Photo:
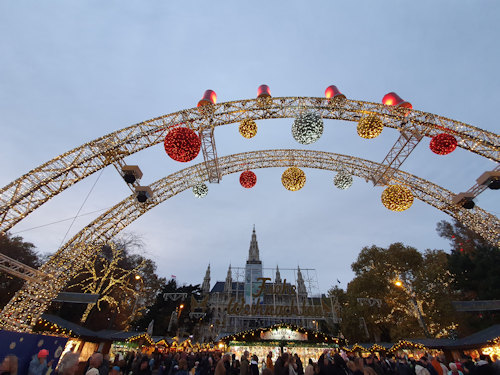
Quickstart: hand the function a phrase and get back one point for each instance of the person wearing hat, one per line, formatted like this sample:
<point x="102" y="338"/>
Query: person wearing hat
<point x="115" y="371"/>
<point x="39" y="365"/>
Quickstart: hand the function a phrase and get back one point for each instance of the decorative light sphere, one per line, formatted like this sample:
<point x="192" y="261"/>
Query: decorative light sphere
<point x="307" y="128"/>
<point x="248" y="179"/>
<point x="443" y="144"/>
<point x="248" y="128"/>
<point x="293" y="179"/>
<point x="370" y="127"/>
<point x="397" y="198"/>
<point x="200" y="190"/>
<point x="343" y="180"/>
<point x="182" y="144"/>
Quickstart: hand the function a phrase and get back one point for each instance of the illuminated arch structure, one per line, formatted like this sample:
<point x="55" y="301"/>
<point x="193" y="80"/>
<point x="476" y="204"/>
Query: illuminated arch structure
<point x="22" y="196"/>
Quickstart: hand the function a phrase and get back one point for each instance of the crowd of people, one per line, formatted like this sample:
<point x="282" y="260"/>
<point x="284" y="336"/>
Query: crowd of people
<point x="215" y="363"/>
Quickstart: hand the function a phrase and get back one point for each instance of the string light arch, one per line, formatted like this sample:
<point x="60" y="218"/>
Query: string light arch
<point x="29" y="303"/>
<point x="22" y="196"/>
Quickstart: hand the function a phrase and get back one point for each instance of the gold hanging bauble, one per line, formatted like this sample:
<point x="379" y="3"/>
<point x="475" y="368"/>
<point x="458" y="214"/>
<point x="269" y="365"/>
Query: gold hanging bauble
<point x="293" y="179"/>
<point x="248" y="128"/>
<point x="397" y="198"/>
<point x="370" y="126"/>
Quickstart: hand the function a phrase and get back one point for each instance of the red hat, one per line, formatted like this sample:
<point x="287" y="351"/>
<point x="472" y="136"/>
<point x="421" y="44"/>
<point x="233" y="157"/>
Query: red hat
<point x="43" y="353"/>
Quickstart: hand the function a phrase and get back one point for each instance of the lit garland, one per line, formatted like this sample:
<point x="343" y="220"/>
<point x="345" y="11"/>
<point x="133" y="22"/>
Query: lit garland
<point x="248" y="128"/>
<point x="182" y="144"/>
<point x="406" y="344"/>
<point x="248" y="179"/>
<point x="307" y="128"/>
<point x="443" y="144"/>
<point x="370" y="127"/>
<point x="397" y="198"/>
<point x="200" y="190"/>
<point x="343" y="180"/>
<point x="293" y="179"/>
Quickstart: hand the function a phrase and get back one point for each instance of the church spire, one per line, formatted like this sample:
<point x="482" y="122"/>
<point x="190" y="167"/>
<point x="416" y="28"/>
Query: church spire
<point x="228" y="285"/>
<point x="301" y="285"/>
<point x="277" y="279"/>
<point x="205" y="288"/>
<point x="253" y="252"/>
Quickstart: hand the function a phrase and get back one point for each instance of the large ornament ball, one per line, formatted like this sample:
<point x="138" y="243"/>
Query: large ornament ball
<point x="248" y="179"/>
<point x="293" y="179"/>
<point x="182" y="144"/>
<point x="307" y="128"/>
<point x="248" y="128"/>
<point x="443" y="144"/>
<point x="343" y="180"/>
<point x="200" y="190"/>
<point x="370" y="127"/>
<point x="397" y="198"/>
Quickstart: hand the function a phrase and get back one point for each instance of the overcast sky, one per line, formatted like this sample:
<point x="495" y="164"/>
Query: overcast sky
<point x="74" y="71"/>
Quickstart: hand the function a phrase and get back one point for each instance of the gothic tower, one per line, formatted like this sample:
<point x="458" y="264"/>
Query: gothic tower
<point x="228" y="285"/>
<point x="301" y="285"/>
<point x="253" y="270"/>
<point x="205" y="287"/>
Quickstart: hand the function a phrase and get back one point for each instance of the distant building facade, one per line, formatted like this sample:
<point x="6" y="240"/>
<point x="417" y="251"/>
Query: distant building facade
<point x="248" y="299"/>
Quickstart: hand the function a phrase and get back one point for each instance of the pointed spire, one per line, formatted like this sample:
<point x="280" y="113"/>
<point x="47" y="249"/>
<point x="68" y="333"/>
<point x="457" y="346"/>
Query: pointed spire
<point x="205" y="288"/>
<point x="301" y="285"/>
<point x="277" y="279"/>
<point x="228" y="285"/>
<point x="253" y="252"/>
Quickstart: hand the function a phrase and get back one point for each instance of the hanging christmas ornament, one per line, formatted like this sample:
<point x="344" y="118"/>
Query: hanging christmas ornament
<point x="343" y="180"/>
<point x="200" y="190"/>
<point x="397" y="198"/>
<point x="248" y="128"/>
<point x="370" y="127"/>
<point x="307" y="128"/>
<point x="182" y="144"/>
<point x="443" y="144"/>
<point x="248" y="179"/>
<point x="293" y="179"/>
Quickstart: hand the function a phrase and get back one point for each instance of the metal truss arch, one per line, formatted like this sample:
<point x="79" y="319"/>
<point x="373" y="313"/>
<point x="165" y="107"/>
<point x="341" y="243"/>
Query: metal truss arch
<point x="30" y="302"/>
<point x="20" y="197"/>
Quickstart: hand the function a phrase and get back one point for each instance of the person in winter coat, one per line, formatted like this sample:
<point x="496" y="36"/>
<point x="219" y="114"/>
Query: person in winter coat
<point x="39" y="365"/>
<point x="254" y="365"/>
<point x="9" y="365"/>
<point x="245" y="363"/>
<point x="421" y="367"/>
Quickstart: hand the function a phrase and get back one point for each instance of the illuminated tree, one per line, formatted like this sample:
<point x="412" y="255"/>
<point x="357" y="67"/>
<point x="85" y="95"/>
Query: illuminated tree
<point x="426" y="282"/>
<point x="24" y="252"/>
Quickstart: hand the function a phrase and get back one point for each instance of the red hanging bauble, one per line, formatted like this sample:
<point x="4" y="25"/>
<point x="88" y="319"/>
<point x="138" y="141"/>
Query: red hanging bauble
<point x="248" y="179"/>
<point x="182" y="144"/>
<point x="443" y="144"/>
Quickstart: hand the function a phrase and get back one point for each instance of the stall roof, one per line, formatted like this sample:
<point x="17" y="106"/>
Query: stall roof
<point x="75" y="328"/>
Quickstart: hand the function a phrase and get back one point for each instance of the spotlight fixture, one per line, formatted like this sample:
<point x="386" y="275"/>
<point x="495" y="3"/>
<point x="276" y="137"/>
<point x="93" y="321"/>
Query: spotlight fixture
<point x="465" y="200"/>
<point x="143" y="193"/>
<point x="490" y="179"/>
<point x="131" y="173"/>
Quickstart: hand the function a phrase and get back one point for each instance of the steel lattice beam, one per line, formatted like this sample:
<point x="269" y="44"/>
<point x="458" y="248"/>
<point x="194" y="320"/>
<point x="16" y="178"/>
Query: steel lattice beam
<point x="19" y="269"/>
<point x="19" y="198"/>
<point x="30" y="302"/>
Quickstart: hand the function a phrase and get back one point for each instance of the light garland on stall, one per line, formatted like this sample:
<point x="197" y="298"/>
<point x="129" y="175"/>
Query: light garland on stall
<point x="397" y="198"/>
<point x="370" y="127"/>
<point x="182" y="144"/>
<point x="307" y="128"/>
<point x="200" y="190"/>
<point x="343" y="180"/>
<point x="293" y="179"/>
<point x="248" y="128"/>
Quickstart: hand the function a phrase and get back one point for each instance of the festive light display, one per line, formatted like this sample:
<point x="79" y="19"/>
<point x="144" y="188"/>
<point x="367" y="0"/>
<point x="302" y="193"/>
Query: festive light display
<point x="248" y="179"/>
<point x="209" y="97"/>
<point x="293" y="179"/>
<point x="182" y="144"/>
<point x="397" y="198"/>
<point x="343" y="180"/>
<point x="248" y="128"/>
<point x="332" y="92"/>
<point x="200" y="190"/>
<point x="370" y="126"/>
<point x="307" y="128"/>
<point x="394" y="99"/>
<point x="443" y="144"/>
<point x="263" y="91"/>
